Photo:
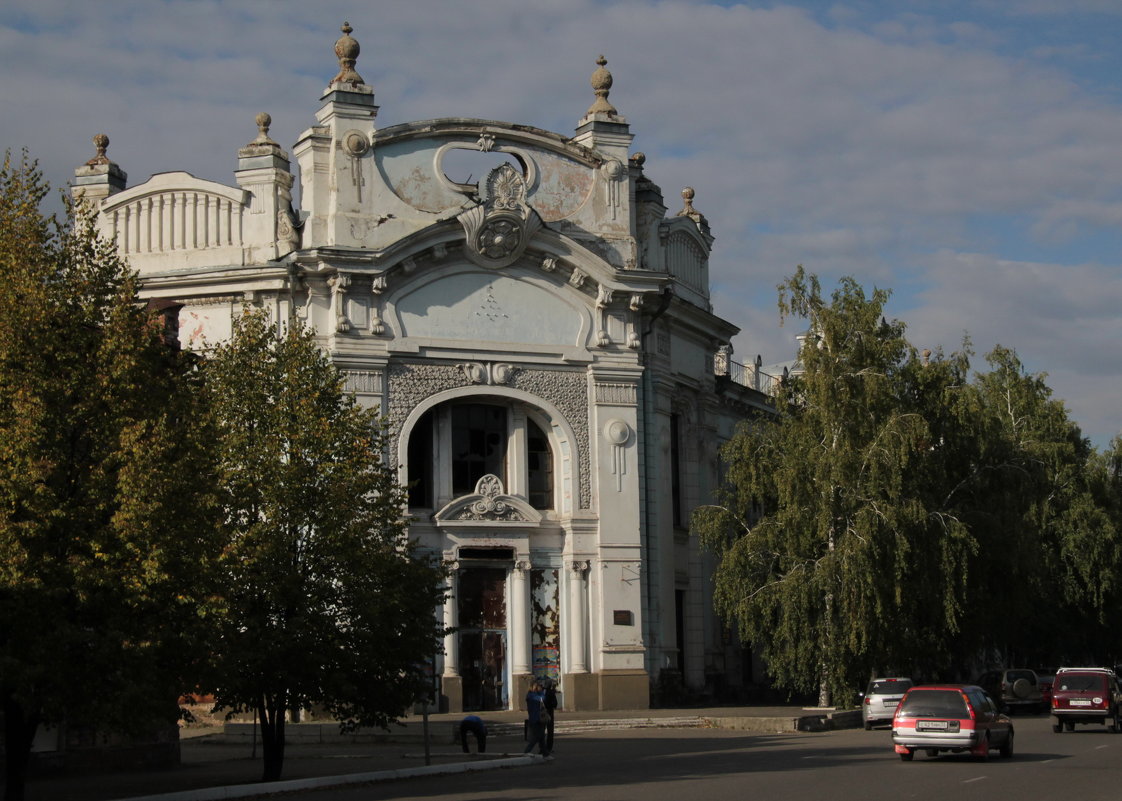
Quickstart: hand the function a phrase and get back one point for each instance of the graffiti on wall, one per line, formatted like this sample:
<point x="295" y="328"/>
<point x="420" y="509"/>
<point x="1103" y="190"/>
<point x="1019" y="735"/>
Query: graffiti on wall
<point x="545" y="624"/>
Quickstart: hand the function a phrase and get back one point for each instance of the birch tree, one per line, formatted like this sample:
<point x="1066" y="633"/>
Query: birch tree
<point x="824" y="530"/>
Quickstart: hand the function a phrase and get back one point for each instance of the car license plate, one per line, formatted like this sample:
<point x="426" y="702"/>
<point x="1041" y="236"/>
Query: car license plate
<point x="932" y="725"/>
<point x="1080" y="702"/>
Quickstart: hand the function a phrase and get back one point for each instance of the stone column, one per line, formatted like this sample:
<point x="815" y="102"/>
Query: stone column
<point x="578" y="657"/>
<point x="520" y="619"/>
<point x="451" y="641"/>
<point x="451" y="682"/>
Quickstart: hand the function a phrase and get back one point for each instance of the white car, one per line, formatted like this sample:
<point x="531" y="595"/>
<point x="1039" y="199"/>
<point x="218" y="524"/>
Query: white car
<point x="881" y="698"/>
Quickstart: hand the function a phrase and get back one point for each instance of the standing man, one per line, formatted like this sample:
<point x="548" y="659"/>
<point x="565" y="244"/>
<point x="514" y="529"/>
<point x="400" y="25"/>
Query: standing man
<point x="536" y="716"/>
<point x="549" y="700"/>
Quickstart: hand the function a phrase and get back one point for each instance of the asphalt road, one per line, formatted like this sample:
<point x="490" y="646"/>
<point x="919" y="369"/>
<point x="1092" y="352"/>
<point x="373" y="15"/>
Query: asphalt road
<point x="711" y="764"/>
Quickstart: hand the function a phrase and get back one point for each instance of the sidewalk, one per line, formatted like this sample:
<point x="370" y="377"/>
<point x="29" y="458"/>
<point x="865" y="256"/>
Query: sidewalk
<point x="218" y="763"/>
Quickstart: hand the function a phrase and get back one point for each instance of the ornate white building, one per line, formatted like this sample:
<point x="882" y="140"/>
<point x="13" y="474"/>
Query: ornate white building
<point x="541" y="343"/>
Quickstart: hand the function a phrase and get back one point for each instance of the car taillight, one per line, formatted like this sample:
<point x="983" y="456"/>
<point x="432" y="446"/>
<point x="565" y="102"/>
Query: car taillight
<point x="868" y="700"/>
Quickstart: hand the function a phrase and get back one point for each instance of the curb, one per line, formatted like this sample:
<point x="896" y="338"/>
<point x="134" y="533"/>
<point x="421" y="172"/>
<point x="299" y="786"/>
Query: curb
<point x="322" y="782"/>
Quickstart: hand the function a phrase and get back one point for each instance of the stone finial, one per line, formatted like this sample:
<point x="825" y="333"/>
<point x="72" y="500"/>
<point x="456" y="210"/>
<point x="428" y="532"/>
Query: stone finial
<point x="927" y="357"/>
<point x="602" y="84"/>
<point x="99" y="177"/>
<point x="101" y="142"/>
<point x="346" y="50"/>
<point x="688" y="210"/>
<point x="263" y="145"/>
<point x="263" y="121"/>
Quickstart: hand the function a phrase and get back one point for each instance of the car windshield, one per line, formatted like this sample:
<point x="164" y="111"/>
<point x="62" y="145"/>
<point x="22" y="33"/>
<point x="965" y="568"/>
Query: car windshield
<point x="889" y="686"/>
<point x="1081" y="682"/>
<point x="934" y="704"/>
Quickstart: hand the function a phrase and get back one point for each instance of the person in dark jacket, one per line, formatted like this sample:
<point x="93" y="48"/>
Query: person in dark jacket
<point x="549" y="700"/>
<point x="473" y="724"/>
<point x="536" y="716"/>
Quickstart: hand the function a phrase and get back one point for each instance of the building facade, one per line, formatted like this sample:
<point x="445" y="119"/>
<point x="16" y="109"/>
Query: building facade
<point x="541" y="343"/>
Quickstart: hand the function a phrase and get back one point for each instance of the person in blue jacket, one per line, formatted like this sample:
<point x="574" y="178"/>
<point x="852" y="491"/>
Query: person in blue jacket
<point x="536" y="717"/>
<point x="475" y="725"/>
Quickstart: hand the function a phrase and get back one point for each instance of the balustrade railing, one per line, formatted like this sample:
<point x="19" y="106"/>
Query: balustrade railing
<point x="750" y="375"/>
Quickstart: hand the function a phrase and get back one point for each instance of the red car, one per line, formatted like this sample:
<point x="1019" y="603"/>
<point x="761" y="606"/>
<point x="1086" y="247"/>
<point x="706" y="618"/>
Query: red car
<point x="1086" y="695"/>
<point x="950" y="717"/>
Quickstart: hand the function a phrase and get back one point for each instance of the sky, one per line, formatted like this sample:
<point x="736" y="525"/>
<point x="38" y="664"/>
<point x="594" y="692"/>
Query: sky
<point x="964" y="154"/>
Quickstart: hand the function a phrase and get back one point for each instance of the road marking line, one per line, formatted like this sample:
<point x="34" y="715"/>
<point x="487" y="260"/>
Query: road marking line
<point x="1101" y="747"/>
<point x="975" y="779"/>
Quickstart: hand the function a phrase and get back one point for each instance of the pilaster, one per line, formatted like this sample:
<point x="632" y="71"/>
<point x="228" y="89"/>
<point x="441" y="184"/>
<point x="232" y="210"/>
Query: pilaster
<point x="335" y="156"/>
<point x="263" y="169"/>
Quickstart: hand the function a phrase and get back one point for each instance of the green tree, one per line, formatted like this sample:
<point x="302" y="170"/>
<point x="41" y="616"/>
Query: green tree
<point x="103" y="512"/>
<point x="824" y="523"/>
<point x="898" y="513"/>
<point x="327" y="603"/>
<point x="1040" y="511"/>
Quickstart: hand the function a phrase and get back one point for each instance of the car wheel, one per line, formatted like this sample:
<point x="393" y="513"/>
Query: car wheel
<point x="1069" y="725"/>
<point x="1114" y="726"/>
<point x="1021" y="688"/>
<point x="868" y="725"/>
<point x="982" y="752"/>
<point x="906" y="756"/>
<point x="1007" y="746"/>
<point x="1057" y="725"/>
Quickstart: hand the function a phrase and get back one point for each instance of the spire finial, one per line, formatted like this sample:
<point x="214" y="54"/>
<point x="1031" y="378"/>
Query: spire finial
<point x="263" y="121"/>
<point x="602" y="84"/>
<point x="687" y="209"/>
<point x="101" y="142"/>
<point x="346" y="50"/>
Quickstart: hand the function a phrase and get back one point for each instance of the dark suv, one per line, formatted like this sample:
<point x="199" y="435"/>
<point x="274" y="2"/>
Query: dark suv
<point x="1086" y="695"/>
<point x="1013" y="689"/>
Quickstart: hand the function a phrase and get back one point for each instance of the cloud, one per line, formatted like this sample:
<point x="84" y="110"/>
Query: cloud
<point x="947" y="148"/>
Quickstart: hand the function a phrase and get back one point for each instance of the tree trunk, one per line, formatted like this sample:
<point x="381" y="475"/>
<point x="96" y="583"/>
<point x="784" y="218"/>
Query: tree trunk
<point x="19" y="733"/>
<point x="271" y="711"/>
<point x="824" y="697"/>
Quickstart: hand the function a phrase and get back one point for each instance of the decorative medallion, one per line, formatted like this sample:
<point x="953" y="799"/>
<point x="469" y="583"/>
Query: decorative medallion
<point x="355" y="143"/>
<point x="499" y="229"/>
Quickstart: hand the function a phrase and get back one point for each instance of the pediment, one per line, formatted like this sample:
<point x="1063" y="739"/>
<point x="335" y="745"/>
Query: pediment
<point x="488" y="504"/>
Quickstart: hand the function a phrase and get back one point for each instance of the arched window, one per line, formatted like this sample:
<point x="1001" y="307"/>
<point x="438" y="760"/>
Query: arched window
<point x="453" y="445"/>
<point x="479" y="440"/>
<point x="539" y="464"/>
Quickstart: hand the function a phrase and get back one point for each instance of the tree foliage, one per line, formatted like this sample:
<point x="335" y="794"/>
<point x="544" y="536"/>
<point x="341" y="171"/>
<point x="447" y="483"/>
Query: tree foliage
<point x="896" y="514"/>
<point x="327" y="604"/>
<point x="100" y="584"/>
